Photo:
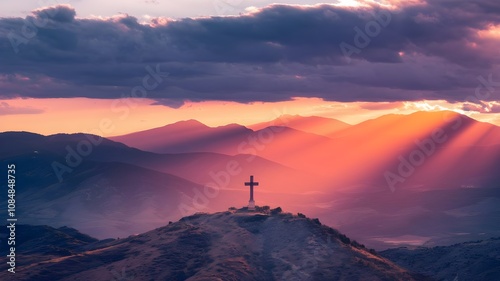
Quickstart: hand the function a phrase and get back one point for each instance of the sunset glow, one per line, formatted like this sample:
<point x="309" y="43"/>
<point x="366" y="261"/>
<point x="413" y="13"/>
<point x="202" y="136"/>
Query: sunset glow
<point x="132" y="133"/>
<point x="128" y="115"/>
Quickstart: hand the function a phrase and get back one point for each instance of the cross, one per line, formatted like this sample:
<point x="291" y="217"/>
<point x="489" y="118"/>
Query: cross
<point x="251" y="183"/>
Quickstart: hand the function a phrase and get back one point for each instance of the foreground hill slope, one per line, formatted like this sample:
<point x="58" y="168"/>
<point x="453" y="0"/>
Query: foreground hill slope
<point x="232" y="245"/>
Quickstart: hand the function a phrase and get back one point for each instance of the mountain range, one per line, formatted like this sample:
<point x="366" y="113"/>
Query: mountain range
<point x="428" y="178"/>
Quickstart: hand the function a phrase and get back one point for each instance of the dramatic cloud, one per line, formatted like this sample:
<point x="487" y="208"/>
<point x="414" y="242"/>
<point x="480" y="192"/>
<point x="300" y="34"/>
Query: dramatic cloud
<point x="484" y="107"/>
<point x="433" y="50"/>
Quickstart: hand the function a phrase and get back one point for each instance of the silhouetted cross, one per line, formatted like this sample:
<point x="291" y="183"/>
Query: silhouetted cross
<point x="251" y="183"/>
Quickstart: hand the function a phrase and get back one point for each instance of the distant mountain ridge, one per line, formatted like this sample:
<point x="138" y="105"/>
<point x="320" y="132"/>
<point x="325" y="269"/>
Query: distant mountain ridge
<point x="322" y="126"/>
<point x="187" y="136"/>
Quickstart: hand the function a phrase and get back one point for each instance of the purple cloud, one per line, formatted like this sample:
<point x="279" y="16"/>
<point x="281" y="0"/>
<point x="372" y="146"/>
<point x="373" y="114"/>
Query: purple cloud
<point x="431" y="51"/>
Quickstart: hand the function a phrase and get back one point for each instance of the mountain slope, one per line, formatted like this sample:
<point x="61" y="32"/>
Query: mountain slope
<point x="19" y="143"/>
<point x="102" y="199"/>
<point x="398" y="128"/>
<point x="65" y="149"/>
<point x="479" y="260"/>
<point x="187" y="136"/>
<point x="413" y="217"/>
<point x="444" y="145"/>
<point x="36" y="243"/>
<point x="234" y="245"/>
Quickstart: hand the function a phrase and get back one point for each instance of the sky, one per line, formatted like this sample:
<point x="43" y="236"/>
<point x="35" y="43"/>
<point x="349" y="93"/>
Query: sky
<point x="71" y="66"/>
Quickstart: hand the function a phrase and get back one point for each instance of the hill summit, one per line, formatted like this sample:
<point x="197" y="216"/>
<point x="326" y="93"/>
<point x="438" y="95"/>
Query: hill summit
<point x="266" y="244"/>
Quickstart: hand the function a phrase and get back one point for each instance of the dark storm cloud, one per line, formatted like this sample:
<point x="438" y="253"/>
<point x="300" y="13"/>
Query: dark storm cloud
<point x="431" y="51"/>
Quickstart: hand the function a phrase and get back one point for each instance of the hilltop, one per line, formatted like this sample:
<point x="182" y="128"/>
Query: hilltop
<point x="231" y="245"/>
